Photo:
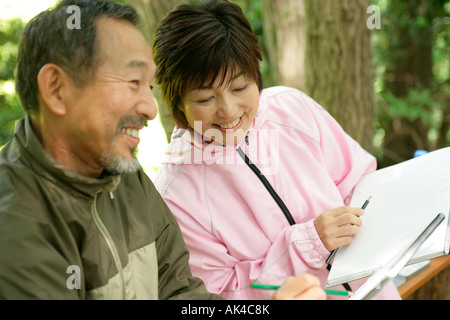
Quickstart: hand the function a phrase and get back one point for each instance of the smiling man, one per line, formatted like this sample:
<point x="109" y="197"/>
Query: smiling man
<point x="96" y="126"/>
<point x="79" y="219"/>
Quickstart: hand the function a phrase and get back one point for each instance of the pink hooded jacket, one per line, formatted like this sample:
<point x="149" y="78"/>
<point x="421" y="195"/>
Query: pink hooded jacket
<point x="235" y="231"/>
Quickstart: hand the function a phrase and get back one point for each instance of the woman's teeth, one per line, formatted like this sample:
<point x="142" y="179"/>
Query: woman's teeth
<point x="131" y="132"/>
<point x="230" y="125"/>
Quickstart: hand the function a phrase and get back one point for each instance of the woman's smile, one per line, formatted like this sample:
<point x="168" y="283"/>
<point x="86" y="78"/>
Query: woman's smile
<point x="231" y="125"/>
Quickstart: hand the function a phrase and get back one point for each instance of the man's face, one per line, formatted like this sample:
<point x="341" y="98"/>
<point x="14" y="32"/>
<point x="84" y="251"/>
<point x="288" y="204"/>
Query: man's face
<point x="106" y="114"/>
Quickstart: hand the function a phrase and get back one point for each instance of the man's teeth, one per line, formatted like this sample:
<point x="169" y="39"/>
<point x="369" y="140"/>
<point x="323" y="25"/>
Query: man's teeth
<point x="131" y="132"/>
<point x="231" y="125"/>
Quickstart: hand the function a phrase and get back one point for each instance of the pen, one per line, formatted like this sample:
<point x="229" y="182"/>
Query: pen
<point x="366" y="203"/>
<point x="335" y="250"/>
<point x="329" y="292"/>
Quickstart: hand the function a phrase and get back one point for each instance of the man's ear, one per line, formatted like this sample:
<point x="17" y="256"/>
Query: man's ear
<point x="53" y="86"/>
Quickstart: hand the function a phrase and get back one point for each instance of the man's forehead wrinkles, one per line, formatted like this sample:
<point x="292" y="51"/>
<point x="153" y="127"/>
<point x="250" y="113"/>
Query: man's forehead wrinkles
<point x="137" y="64"/>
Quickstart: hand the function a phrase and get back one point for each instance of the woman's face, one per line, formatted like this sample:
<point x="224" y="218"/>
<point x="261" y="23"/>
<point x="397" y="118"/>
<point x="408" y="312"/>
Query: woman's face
<point x="222" y="113"/>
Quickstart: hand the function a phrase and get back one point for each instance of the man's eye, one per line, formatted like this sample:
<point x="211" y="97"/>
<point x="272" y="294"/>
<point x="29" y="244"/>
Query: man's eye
<point x="136" y="82"/>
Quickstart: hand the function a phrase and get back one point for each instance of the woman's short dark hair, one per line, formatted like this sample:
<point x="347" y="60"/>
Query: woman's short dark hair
<point x="196" y="43"/>
<point x="47" y="38"/>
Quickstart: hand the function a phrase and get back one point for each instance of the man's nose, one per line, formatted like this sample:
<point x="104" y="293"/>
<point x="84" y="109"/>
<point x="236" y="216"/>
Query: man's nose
<point x="147" y="106"/>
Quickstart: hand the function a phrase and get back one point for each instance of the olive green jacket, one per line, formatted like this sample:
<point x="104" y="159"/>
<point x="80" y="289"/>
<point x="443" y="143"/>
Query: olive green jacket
<point x="67" y="236"/>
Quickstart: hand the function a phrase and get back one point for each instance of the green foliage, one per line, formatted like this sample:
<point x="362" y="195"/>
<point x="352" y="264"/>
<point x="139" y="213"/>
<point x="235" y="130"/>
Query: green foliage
<point x="408" y="29"/>
<point x="441" y="48"/>
<point x="417" y="105"/>
<point x="9" y="38"/>
<point x="10" y="108"/>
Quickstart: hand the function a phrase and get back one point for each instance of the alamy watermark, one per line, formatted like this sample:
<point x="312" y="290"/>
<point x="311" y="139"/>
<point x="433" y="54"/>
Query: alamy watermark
<point x="374" y="21"/>
<point x="74" y="21"/>
<point x="74" y="280"/>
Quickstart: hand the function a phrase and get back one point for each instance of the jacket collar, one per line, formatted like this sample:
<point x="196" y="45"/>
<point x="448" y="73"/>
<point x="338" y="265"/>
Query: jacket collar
<point x="32" y="153"/>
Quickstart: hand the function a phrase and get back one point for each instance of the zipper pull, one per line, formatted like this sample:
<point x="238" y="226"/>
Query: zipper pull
<point x="246" y="138"/>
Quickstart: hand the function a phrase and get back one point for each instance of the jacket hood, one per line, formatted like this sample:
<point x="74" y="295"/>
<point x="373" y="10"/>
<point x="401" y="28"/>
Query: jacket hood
<point x="29" y="149"/>
<point x="187" y="146"/>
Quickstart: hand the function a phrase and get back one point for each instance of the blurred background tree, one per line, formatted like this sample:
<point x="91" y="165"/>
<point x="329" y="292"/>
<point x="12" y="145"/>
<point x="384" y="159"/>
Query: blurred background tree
<point x="10" y="109"/>
<point x="388" y="87"/>
<point x="413" y="58"/>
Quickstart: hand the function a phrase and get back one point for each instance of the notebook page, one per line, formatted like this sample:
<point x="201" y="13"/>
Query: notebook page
<point x="405" y="197"/>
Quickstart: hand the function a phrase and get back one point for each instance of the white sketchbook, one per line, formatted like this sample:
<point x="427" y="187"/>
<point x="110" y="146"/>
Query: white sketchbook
<point x="388" y="272"/>
<point x="405" y="198"/>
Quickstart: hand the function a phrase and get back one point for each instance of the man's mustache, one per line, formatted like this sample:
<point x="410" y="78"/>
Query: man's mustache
<point x="135" y="120"/>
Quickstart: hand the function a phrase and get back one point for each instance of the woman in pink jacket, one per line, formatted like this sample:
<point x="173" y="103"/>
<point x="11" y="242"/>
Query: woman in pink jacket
<point x="257" y="179"/>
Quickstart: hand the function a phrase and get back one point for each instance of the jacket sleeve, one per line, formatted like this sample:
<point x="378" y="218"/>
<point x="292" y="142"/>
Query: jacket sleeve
<point x="344" y="159"/>
<point x="175" y="280"/>
<point x="31" y="264"/>
<point x="30" y="267"/>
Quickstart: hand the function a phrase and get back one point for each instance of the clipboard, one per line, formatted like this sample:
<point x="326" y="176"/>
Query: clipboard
<point x="405" y="198"/>
<point x="377" y="281"/>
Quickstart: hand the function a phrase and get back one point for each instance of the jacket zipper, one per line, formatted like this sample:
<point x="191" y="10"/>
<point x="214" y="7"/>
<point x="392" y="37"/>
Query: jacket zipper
<point x="266" y="184"/>
<point x="109" y="241"/>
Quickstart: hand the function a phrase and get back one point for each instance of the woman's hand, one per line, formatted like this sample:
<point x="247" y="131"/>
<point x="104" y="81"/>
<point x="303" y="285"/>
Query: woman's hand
<point x="337" y="227"/>
<point x="303" y="287"/>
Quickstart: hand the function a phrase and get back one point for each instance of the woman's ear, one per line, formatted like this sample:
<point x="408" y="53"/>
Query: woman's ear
<point x="180" y="105"/>
<point x="52" y="84"/>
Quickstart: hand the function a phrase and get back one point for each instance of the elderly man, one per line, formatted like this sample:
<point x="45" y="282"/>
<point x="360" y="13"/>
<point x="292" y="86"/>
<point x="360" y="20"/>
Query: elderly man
<point x="79" y="219"/>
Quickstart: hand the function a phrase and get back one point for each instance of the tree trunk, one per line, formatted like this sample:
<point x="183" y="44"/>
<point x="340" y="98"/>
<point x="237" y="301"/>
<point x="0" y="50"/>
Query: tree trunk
<point x="339" y="68"/>
<point x="285" y="42"/>
<point x="151" y="13"/>
<point x="409" y="66"/>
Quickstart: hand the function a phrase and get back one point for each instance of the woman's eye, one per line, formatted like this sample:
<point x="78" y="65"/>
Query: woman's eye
<point x="136" y="82"/>
<point x="205" y="100"/>
<point x="241" y="88"/>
